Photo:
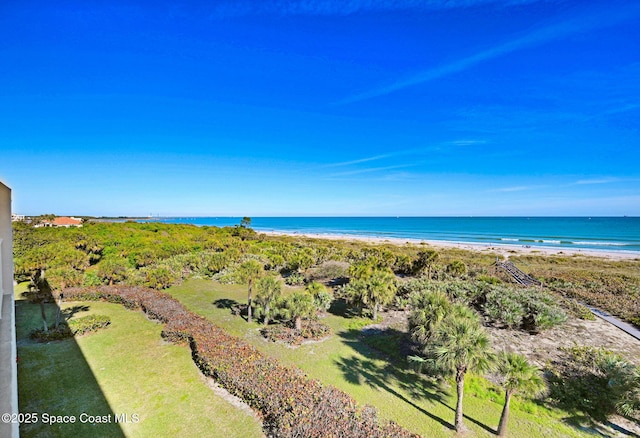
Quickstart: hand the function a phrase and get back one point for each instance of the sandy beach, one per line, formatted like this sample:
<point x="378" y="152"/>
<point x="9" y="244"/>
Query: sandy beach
<point x="504" y="250"/>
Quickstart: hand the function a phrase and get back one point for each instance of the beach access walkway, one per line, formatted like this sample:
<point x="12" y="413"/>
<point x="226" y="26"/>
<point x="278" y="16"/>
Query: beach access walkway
<point x="527" y="280"/>
<point x="615" y="321"/>
<point x="517" y="274"/>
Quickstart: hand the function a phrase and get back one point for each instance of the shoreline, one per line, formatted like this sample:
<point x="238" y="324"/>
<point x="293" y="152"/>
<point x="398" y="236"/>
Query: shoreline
<point x="498" y="249"/>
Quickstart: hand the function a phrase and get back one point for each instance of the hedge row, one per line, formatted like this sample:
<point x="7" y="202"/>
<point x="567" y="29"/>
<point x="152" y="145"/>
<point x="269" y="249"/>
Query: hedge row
<point x="291" y="404"/>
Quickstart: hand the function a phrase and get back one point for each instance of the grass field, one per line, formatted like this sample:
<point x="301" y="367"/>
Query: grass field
<point x="348" y="363"/>
<point x="124" y="369"/>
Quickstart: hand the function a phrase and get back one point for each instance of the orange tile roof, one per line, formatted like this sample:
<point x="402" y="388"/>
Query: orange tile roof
<point x="62" y="221"/>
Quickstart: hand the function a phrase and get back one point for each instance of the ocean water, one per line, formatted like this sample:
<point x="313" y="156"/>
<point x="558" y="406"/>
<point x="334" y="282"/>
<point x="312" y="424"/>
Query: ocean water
<point x="596" y="233"/>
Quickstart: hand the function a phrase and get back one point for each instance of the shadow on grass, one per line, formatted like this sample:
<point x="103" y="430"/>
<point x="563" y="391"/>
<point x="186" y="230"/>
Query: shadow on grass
<point x="586" y="424"/>
<point x="339" y="307"/>
<point x="226" y="303"/>
<point x="388" y="377"/>
<point x="70" y="312"/>
<point x="473" y="420"/>
<point x="54" y="379"/>
<point x="393" y="346"/>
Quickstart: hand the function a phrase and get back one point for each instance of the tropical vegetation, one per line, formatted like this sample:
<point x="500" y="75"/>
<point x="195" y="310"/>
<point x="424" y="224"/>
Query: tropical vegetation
<point x="291" y="285"/>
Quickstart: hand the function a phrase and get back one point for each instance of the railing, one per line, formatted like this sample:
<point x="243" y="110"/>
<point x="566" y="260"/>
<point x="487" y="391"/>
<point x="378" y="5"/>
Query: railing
<point x="517" y="274"/>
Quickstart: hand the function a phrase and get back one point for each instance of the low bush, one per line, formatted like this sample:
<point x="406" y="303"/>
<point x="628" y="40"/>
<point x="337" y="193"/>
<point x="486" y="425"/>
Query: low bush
<point x="291" y="404"/>
<point x="311" y="330"/>
<point x="294" y="279"/>
<point x="528" y="309"/>
<point x="594" y="381"/>
<point x="68" y="329"/>
<point x="87" y="324"/>
<point x="53" y="334"/>
<point x="329" y="270"/>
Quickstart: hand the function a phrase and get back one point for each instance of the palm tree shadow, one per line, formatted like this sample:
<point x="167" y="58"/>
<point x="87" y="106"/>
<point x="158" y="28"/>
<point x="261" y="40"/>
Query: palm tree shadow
<point x="70" y="312"/>
<point x="225" y="303"/>
<point x="473" y="420"/>
<point x="584" y="423"/>
<point x="367" y="372"/>
<point x="339" y="307"/>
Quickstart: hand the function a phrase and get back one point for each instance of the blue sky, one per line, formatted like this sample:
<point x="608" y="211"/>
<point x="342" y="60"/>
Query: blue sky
<point x="318" y="107"/>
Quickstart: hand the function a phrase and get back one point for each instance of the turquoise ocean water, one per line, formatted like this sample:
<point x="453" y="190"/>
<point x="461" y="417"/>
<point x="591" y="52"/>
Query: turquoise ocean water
<point x="597" y="233"/>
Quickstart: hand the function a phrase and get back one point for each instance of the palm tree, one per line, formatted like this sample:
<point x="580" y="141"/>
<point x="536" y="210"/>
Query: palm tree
<point x="298" y="305"/>
<point x="519" y="376"/>
<point x="269" y="289"/>
<point x="322" y="298"/>
<point x="426" y="261"/>
<point x="430" y="308"/>
<point x="375" y="289"/>
<point x="248" y="272"/>
<point x="381" y="289"/>
<point x="460" y="345"/>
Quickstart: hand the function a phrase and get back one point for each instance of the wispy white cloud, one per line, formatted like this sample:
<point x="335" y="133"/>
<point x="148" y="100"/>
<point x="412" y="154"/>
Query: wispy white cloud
<point x="468" y="142"/>
<point x="597" y="181"/>
<point x="372" y="169"/>
<point x="435" y="148"/>
<point x="358" y="161"/>
<point x="516" y="189"/>
<point x="348" y="7"/>
<point x="537" y="37"/>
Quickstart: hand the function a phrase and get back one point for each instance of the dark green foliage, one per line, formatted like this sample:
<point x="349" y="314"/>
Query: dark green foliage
<point x="291" y="404"/>
<point x="294" y="279"/>
<point x="53" y="334"/>
<point x="527" y="308"/>
<point x="75" y="326"/>
<point x="158" y="277"/>
<point x="594" y="381"/>
<point x="322" y="297"/>
<point x="87" y="324"/>
<point x="370" y="287"/>
<point x="425" y="262"/>
<point x="296" y="306"/>
<point x="456" y="268"/>
<point x="505" y="306"/>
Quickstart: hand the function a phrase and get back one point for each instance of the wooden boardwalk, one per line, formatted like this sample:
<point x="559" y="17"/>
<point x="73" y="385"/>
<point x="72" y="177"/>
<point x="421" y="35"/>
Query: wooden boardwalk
<point x="615" y="321"/>
<point x="527" y="280"/>
<point x="517" y="274"/>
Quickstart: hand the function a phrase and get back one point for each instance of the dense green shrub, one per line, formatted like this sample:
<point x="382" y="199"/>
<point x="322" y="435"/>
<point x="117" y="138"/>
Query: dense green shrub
<point x="505" y="306"/>
<point x="322" y="297"/>
<point x="456" y="268"/>
<point x="594" y="381"/>
<point x="86" y="324"/>
<point x="526" y="308"/>
<point x="91" y="279"/>
<point x="158" y="277"/>
<point x="294" y="279"/>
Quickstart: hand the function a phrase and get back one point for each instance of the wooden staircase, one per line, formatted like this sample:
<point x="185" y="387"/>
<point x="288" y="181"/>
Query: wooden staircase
<point x="517" y="274"/>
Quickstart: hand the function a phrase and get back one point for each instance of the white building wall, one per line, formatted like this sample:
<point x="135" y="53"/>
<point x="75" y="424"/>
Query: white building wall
<point x="8" y="353"/>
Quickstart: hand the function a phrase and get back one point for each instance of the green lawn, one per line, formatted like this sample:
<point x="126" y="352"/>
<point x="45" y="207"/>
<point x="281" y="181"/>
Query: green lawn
<point x="124" y="369"/>
<point x="346" y="362"/>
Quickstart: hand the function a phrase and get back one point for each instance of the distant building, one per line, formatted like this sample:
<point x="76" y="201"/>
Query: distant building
<point x="17" y="217"/>
<point x="62" y="221"/>
<point x="8" y="353"/>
